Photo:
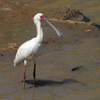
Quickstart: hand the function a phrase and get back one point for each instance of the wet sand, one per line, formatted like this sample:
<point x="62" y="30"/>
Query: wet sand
<point x="80" y="46"/>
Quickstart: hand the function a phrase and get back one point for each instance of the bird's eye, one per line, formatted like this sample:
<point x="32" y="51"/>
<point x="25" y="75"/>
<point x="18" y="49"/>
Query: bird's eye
<point x="42" y="18"/>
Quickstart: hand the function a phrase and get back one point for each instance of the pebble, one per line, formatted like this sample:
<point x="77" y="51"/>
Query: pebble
<point x="1" y="55"/>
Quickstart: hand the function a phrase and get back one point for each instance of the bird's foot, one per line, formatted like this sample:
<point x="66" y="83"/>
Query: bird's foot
<point x="23" y="84"/>
<point x="34" y="82"/>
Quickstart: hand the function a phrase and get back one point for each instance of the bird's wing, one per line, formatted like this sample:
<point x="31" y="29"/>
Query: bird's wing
<point x="23" y="52"/>
<point x="26" y="50"/>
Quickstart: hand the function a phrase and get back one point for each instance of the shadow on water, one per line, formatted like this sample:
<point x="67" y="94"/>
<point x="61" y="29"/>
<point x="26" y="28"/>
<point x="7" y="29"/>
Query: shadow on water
<point x="41" y="83"/>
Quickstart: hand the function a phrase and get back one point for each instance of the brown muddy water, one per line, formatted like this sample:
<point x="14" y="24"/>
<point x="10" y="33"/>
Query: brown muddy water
<point x="79" y="46"/>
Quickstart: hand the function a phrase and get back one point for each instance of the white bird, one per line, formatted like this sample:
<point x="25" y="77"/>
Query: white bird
<point x="30" y="49"/>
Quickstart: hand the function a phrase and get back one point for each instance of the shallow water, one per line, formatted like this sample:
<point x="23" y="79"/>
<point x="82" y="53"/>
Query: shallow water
<point x="55" y="78"/>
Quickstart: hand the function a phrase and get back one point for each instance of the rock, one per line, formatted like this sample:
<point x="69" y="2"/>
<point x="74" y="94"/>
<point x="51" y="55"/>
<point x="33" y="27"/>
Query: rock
<point x="75" y="15"/>
<point x="1" y="55"/>
<point x="95" y="24"/>
<point x="76" y="68"/>
<point x="49" y="40"/>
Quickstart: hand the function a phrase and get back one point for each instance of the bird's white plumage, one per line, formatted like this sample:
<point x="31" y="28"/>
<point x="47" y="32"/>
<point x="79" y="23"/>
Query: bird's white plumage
<point x="27" y="51"/>
<point x="30" y="49"/>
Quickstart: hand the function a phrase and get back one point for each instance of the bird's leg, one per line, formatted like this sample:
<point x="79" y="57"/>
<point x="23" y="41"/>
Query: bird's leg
<point x="24" y="77"/>
<point x="34" y="73"/>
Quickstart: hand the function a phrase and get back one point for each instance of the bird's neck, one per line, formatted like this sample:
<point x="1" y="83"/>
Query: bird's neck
<point x="39" y="31"/>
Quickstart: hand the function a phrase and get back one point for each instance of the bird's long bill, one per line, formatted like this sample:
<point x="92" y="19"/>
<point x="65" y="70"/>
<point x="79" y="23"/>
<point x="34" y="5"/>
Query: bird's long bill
<point x="57" y="31"/>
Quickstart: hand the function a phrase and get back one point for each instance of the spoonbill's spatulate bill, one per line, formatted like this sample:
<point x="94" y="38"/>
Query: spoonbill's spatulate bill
<point x="57" y="31"/>
<point x="30" y="50"/>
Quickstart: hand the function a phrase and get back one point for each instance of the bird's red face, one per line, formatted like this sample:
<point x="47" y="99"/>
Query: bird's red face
<point x="42" y="17"/>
